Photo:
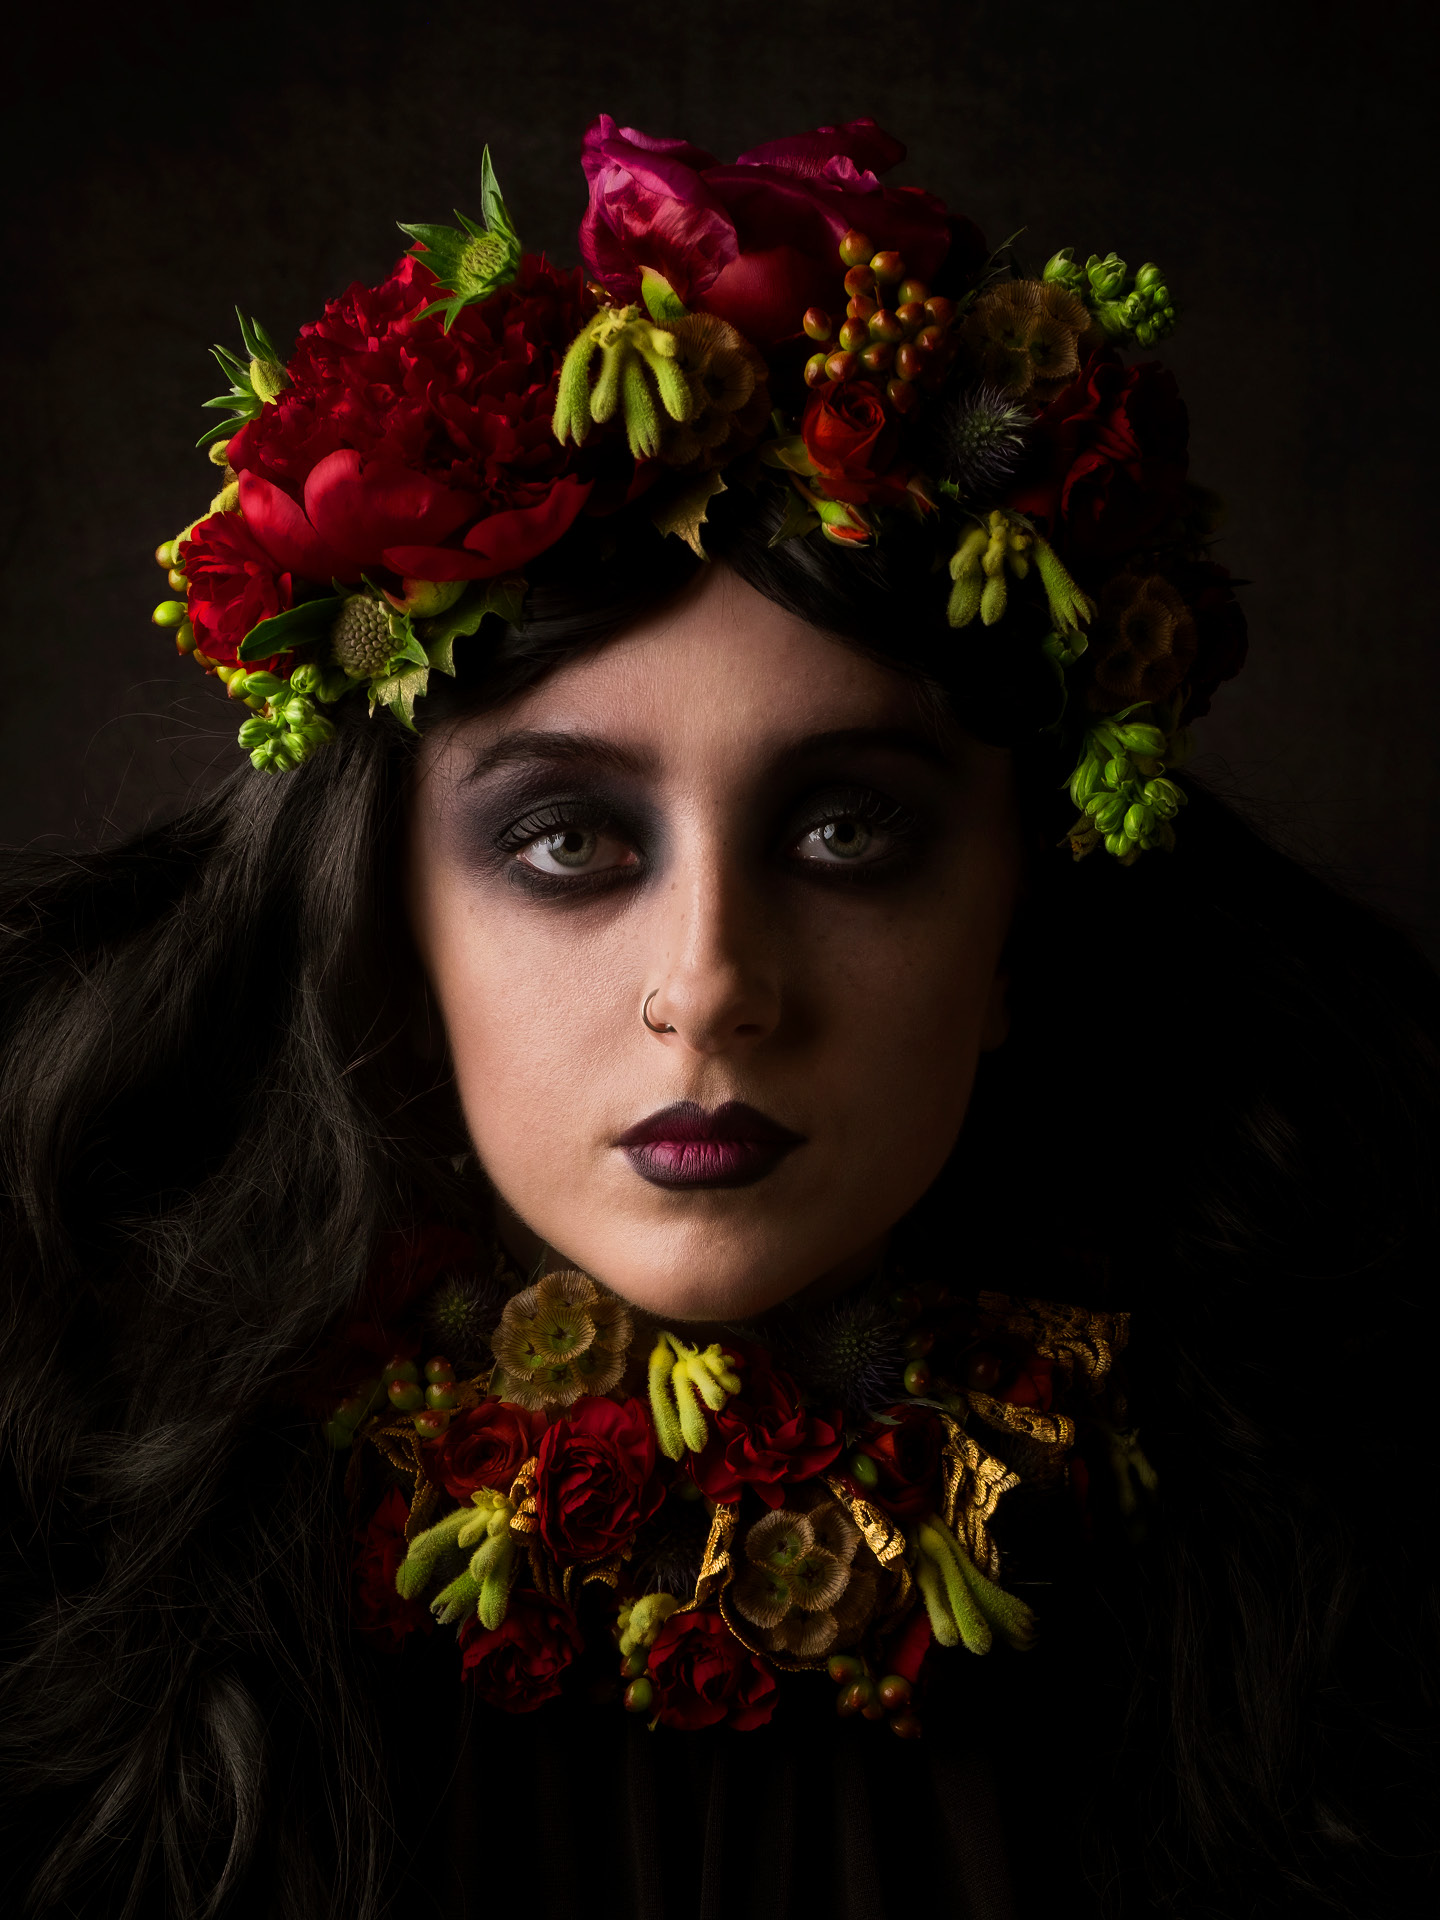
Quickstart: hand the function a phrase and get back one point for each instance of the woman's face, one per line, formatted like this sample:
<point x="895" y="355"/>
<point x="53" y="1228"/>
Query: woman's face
<point x="730" y="822"/>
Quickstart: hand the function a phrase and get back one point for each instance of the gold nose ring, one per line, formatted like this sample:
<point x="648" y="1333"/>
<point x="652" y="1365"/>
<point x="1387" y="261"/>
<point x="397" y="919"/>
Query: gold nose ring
<point x="645" y="1015"/>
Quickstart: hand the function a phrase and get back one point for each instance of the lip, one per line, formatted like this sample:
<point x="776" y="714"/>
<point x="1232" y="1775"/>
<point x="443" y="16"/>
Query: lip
<point x="687" y="1145"/>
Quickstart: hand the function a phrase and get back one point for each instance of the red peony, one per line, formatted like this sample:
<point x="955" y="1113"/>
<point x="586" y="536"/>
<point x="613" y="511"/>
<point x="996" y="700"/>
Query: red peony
<point x="379" y="1610"/>
<point x="852" y="440"/>
<point x="485" y="1446"/>
<point x="1109" y="458"/>
<point x="702" y="1675"/>
<point x="763" y="1438"/>
<point x="908" y="1458"/>
<point x="1032" y="1386"/>
<point x="518" y="1665"/>
<point x="756" y="242"/>
<point x="400" y="446"/>
<point x="233" y="584"/>
<point x="595" y="1479"/>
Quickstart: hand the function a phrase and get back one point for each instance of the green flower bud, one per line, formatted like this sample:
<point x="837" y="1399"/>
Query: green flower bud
<point x="1061" y="270"/>
<point x="864" y="1472"/>
<point x="1138" y="820"/>
<point x="1140" y="738"/>
<point x="169" y="613"/>
<point x="268" y="379"/>
<point x="1108" y="276"/>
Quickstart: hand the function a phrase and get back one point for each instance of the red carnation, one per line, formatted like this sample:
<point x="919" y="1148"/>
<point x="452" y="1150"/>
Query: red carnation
<point x="852" y="440"/>
<point x="1109" y="457"/>
<point x="232" y="585"/>
<point x="702" y="1675"/>
<point x="907" y="1456"/>
<point x="485" y="1446"/>
<point x="379" y="1610"/>
<point x="595" y="1480"/>
<point x="399" y="446"/>
<point x="518" y="1665"/>
<point x="757" y="242"/>
<point x="763" y="1438"/>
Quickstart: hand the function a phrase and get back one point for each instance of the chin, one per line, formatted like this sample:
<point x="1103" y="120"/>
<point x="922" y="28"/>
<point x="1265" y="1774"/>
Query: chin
<point x="703" y="1272"/>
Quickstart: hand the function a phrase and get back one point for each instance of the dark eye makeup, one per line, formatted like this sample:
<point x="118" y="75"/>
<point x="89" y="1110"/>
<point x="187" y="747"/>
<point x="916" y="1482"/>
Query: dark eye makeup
<point x="577" y="844"/>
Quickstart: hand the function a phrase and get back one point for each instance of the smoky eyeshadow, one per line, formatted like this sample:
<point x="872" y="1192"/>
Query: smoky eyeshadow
<point x="485" y="816"/>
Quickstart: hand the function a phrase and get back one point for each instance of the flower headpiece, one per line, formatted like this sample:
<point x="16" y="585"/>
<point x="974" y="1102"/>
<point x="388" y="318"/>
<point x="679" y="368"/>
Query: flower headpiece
<point x="785" y="322"/>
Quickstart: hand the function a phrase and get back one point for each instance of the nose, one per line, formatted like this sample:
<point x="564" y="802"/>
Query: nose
<point x="715" y="980"/>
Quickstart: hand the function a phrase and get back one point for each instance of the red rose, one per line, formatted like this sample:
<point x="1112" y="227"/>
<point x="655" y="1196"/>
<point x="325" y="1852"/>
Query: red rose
<point x="756" y="242"/>
<point x="763" y="1438"/>
<point x="702" y="1675"/>
<point x="517" y="1666"/>
<point x="908" y="1458"/>
<point x="485" y="1446"/>
<point x="851" y="439"/>
<point x="1109" y="457"/>
<point x="595" y="1479"/>
<point x="233" y="584"/>
<point x="397" y="445"/>
<point x="379" y="1610"/>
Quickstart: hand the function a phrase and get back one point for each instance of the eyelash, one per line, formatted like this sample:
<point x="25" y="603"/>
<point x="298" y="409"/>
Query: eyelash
<point x="875" y="810"/>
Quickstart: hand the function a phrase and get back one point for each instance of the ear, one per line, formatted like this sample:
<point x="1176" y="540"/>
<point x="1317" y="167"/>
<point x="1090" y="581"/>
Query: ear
<point x="995" y="1028"/>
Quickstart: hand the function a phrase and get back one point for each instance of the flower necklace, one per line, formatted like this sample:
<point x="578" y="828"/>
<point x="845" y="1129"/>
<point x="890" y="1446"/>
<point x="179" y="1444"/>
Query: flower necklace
<point x="821" y="1498"/>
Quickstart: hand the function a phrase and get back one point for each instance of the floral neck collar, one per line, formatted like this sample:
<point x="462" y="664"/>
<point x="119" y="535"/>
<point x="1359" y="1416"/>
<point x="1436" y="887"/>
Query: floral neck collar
<point x="822" y="1499"/>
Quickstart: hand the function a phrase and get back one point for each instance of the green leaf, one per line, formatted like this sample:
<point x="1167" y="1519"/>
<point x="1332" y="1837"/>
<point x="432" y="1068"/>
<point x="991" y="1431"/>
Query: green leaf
<point x="800" y="519"/>
<point x="661" y="300"/>
<point x="684" y="514"/>
<point x="441" y="656"/>
<point x="412" y="652"/>
<point x="285" y="630"/>
<point x="504" y="597"/>
<point x="399" y="692"/>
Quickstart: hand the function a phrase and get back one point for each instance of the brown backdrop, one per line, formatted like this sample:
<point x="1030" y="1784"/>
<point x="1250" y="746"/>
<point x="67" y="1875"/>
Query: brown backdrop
<point x="1272" y="157"/>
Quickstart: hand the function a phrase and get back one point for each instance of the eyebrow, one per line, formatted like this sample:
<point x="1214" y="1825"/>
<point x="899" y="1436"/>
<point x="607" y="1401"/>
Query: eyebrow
<point x="577" y="749"/>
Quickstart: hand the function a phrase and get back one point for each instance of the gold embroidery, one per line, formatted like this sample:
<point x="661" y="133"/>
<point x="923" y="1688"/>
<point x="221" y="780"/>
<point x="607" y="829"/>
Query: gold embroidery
<point x="972" y="1484"/>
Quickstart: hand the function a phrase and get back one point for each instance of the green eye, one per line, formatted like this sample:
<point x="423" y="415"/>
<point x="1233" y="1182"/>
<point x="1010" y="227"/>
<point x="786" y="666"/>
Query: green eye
<point x="570" y="850"/>
<point x="844" y="838"/>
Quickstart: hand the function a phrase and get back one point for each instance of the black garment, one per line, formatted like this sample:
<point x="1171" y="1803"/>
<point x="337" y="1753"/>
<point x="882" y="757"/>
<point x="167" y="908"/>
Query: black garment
<point x="579" y="1812"/>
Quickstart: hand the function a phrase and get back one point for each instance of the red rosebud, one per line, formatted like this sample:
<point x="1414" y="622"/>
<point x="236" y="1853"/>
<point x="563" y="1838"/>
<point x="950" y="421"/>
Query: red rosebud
<point x="519" y="1665"/>
<point x="595" y="1479"/>
<point x="702" y="1675"/>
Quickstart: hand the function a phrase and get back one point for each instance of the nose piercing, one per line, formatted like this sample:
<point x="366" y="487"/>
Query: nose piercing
<point x="645" y="1015"/>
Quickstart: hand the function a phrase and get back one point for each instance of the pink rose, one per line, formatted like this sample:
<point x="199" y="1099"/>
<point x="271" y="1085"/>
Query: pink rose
<point x="756" y="242"/>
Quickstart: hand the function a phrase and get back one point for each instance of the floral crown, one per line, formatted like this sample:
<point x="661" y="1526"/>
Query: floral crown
<point x="784" y="323"/>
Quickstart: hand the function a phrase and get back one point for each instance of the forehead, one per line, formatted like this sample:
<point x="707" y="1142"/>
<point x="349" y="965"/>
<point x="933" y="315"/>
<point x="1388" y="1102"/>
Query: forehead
<point x="720" y="669"/>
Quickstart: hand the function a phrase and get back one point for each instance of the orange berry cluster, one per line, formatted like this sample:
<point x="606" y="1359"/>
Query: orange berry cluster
<point x="894" y="328"/>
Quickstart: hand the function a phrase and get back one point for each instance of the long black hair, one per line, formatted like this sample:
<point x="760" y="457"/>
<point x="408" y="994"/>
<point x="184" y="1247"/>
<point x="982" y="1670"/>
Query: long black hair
<point x="1221" y="1089"/>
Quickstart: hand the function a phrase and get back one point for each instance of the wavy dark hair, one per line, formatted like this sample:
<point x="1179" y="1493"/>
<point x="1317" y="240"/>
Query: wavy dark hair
<point x="1218" y="1107"/>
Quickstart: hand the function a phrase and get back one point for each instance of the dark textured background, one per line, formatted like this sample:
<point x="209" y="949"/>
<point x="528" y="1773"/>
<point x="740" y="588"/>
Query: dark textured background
<point x="1272" y="157"/>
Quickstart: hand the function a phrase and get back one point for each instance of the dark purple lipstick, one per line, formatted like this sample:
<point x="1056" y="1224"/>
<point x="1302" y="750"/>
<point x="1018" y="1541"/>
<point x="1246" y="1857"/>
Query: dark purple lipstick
<point x="687" y="1146"/>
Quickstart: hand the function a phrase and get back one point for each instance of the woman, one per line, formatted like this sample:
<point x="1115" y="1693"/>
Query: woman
<point x="761" y="1231"/>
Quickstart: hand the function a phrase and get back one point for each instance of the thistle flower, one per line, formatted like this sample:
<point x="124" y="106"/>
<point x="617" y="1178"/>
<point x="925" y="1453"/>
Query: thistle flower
<point x="463" y="1313"/>
<point x="360" y="639"/>
<point x="1024" y="337"/>
<point x="851" y="1352"/>
<point x="982" y="438"/>
<point x="559" y="1339"/>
